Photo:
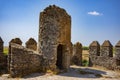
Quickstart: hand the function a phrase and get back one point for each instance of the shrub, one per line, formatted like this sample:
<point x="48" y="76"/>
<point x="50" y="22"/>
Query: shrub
<point x="85" y="48"/>
<point x="85" y="62"/>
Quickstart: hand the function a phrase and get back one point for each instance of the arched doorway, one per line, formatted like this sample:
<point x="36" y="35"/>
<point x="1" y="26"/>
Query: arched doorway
<point x="59" y="56"/>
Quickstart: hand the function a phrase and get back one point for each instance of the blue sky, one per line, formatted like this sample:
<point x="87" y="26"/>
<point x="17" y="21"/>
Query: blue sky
<point x="91" y="19"/>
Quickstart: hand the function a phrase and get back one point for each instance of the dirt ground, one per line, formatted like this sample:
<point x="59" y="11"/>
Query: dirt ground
<point x="74" y="73"/>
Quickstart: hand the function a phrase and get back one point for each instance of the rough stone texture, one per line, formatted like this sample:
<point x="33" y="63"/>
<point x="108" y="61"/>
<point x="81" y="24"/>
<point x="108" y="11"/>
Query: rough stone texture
<point x="106" y="49"/>
<point x="55" y="38"/>
<point x="31" y="44"/>
<point x="17" y="41"/>
<point x="23" y="61"/>
<point x="94" y="50"/>
<point x="105" y="60"/>
<point x="117" y="54"/>
<point x="3" y="58"/>
<point x="71" y="53"/>
<point x="77" y="54"/>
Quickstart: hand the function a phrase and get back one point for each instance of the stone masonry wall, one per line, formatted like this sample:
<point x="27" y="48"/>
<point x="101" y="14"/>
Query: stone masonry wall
<point x="77" y="54"/>
<point x="106" y="58"/>
<point x="23" y="61"/>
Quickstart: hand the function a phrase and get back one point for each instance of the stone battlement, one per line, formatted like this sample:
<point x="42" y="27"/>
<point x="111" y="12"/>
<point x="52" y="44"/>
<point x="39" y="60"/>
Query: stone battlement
<point x="103" y="55"/>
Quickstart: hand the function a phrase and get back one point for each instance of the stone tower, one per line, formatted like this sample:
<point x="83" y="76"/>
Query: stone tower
<point x="55" y="38"/>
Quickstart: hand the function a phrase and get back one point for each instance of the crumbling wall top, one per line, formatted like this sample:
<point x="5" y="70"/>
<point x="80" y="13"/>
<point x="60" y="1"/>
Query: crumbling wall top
<point x="107" y="43"/>
<point x="31" y="41"/>
<point x="94" y="44"/>
<point x="16" y="40"/>
<point x="53" y="10"/>
<point x="78" y="44"/>
<point x="118" y="44"/>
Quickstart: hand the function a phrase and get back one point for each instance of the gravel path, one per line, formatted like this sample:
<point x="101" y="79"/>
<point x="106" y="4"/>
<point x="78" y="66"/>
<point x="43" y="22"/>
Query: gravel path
<point x="74" y="73"/>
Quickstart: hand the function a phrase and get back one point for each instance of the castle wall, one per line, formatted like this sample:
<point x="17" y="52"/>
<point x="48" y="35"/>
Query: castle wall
<point x="23" y="61"/>
<point x="106" y="58"/>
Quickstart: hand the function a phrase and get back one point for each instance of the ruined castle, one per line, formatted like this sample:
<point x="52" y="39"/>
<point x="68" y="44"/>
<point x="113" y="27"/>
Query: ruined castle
<point x="54" y="50"/>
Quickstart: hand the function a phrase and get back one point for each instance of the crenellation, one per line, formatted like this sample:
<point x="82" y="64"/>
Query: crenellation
<point x="16" y="41"/>
<point x="77" y="54"/>
<point x="106" y="58"/>
<point x="94" y="51"/>
<point x="94" y="48"/>
<point x="107" y="49"/>
<point x="31" y="44"/>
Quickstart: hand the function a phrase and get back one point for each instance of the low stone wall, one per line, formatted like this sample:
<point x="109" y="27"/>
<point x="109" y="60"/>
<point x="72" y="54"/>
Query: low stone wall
<point x="23" y="61"/>
<point x="106" y="58"/>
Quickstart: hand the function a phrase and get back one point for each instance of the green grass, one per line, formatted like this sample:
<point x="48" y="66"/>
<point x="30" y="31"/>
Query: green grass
<point x="85" y="62"/>
<point x="5" y="51"/>
<point x="85" y="58"/>
<point x="85" y="48"/>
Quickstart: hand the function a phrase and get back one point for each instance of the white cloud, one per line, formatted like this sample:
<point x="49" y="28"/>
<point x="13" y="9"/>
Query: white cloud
<point x="94" y="13"/>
